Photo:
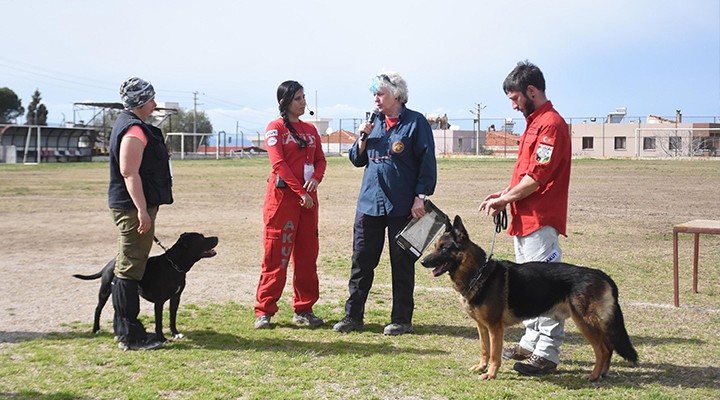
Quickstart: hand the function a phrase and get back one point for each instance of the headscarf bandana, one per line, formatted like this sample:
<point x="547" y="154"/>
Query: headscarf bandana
<point x="136" y="92"/>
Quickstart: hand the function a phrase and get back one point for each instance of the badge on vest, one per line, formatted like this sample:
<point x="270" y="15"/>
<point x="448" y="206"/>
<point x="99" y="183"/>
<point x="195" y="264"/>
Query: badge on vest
<point x="543" y="153"/>
<point x="398" y="147"/>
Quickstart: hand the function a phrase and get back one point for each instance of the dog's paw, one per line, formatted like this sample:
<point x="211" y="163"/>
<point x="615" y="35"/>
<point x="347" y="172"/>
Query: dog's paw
<point x="487" y="376"/>
<point x="97" y="331"/>
<point x="178" y="336"/>
<point x="591" y="378"/>
<point x="478" y="368"/>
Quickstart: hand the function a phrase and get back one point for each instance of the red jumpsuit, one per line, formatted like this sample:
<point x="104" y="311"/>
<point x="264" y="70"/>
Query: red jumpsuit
<point x="291" y="231"/>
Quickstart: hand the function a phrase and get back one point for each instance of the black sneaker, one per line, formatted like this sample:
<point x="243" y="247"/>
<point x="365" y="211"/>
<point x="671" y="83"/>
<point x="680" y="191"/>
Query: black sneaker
<point x="516" y="352"/>
<point x="535" y="365"/>
<point x="395" y="329"/>
<point x="147" y="344"/>
<point x="308" y="318"/>
<point x="348" y="324"/>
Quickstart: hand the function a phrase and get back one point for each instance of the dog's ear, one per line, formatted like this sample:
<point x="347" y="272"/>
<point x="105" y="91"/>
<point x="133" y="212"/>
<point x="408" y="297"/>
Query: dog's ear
<point x="459" y="232"/>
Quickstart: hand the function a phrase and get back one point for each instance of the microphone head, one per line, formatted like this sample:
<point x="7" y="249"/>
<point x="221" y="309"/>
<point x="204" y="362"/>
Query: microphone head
<point x="312" y="113"/>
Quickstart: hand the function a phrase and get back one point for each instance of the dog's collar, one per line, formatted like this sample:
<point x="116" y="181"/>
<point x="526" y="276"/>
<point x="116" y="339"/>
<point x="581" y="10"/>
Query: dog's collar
<point x="500" y="223"/>
<point x="476" y="279"/>
<point x="172" y="263"/>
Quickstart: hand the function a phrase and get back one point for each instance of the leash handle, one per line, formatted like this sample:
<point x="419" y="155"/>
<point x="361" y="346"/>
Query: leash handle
<point x="500" y="221"/>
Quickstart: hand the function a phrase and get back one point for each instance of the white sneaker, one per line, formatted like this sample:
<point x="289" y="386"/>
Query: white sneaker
<point x="262" y="322"/>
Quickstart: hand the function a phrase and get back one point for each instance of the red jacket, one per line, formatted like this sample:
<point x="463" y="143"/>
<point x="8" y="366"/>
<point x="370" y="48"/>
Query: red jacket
<point x="545" y="154"/>
<point x="288" y="159"/>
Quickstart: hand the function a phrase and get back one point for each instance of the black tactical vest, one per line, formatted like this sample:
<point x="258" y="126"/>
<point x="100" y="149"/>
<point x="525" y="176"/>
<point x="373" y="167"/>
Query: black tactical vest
<point x="154" y="168"/>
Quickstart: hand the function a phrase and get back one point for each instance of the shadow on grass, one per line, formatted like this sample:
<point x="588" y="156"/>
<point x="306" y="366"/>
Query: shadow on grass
<point x="339" y="345"/>
<point x="36" y="395"/>
<point x="18" y="337"/>
<point x="572" y="375"/>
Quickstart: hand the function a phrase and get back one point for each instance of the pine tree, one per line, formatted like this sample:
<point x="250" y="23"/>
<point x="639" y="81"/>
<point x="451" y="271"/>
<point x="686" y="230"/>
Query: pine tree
<point x="37" y="112"/>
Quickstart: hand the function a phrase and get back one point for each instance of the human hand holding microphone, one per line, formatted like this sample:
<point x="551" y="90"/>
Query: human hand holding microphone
<point x="367" y="127"/>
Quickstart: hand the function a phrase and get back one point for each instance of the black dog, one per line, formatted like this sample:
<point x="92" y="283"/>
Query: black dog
<point x="164" y="278"/>
<point x="497" y="294"/>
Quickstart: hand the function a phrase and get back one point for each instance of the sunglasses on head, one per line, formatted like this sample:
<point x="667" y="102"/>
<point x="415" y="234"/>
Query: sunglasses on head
<point x="386" y="79"/>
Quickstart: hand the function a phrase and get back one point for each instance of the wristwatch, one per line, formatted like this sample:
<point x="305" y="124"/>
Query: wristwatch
<point x="422" y="196"/>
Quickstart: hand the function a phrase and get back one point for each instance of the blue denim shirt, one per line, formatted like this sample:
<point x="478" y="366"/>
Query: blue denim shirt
<point x="399" y="165"/>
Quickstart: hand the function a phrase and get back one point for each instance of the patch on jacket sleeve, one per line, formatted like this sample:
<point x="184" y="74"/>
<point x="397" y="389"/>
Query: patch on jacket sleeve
<point x="543" y="153"/>
<point x="271" y="133"/>
<point x="548" y="140"/>
<point x="272" y="141"/>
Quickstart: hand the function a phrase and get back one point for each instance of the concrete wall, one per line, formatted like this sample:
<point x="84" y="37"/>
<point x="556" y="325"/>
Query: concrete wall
<point x="456" y="141"/>
<point x="640" y="140"/>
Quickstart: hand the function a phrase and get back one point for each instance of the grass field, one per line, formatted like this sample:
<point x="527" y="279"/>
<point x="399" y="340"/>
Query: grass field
<point x="54" y="222"/>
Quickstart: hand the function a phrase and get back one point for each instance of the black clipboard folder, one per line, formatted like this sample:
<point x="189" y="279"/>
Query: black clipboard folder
<point x="421" y="232"/>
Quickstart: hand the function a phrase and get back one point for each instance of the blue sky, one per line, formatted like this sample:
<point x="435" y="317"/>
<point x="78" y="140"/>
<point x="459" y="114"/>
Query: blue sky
<point x="652" y="57"/>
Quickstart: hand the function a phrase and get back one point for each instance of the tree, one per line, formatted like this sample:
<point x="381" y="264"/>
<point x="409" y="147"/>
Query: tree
<point x="37" y="112"/>
<point x="183" y="122"/>
<point x="10" y="106"/>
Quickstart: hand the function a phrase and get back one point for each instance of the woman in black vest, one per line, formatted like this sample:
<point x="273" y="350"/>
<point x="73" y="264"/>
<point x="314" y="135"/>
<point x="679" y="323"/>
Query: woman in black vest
<point x="140" y="182"/>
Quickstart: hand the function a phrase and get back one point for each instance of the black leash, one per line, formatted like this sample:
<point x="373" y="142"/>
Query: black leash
<point x="500" y="223"/>
<point x="166" y="255"/>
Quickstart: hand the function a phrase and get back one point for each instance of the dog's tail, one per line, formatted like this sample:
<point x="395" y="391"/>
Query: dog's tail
<point x="618" y="334"/>
<point x="88" y="277"/>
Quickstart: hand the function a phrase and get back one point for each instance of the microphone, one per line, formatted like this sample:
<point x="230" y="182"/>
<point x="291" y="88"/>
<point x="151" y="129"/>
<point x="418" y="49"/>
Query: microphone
<point x="373" y="116"/>
<point x="311" y="112"/>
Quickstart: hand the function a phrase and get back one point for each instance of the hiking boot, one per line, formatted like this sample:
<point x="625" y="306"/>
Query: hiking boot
<point x="395" y="329"/>
<point x="348" y="324"/>
<point x="516" y="352"/>
<point x="535" y="365"/>
<point x="307" y="318"/>
<point x="147" y="344"/>
<point x="262" y="322"/>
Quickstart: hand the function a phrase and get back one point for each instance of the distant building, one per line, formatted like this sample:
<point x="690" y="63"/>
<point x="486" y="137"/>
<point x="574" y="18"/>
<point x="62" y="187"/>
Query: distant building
<point x="338" y="142"/>
<point x="502" y="143"/>
<point x="457" y="141"/>
<point x="658" y="137"/>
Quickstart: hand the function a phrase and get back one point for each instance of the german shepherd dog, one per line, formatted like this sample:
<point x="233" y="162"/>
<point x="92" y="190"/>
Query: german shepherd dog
<point x="164" y="278"/>
<point x="497" y="294"/>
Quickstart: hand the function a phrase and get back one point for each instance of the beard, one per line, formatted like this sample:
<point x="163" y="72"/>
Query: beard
<point x="529" y="106"/>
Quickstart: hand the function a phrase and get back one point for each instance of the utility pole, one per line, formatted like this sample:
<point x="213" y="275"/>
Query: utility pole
<point x="195" y="111"/>
<point x="480" y="107"/>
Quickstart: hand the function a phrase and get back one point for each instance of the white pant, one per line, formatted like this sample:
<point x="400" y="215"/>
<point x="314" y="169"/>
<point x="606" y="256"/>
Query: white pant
<point x="543" y="335"/>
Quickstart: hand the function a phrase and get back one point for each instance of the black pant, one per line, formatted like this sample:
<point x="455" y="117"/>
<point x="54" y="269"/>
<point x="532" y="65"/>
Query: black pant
<point x="368" y="242"/>
<point x="126" y="302"/>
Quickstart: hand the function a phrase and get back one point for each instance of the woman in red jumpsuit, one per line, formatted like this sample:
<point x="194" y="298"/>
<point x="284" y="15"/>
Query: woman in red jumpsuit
<point x="290" y="212"/>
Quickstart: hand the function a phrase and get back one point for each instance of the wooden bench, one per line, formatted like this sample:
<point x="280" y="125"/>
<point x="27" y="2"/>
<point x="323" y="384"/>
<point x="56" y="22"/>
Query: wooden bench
<point x="696" y="227"/>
